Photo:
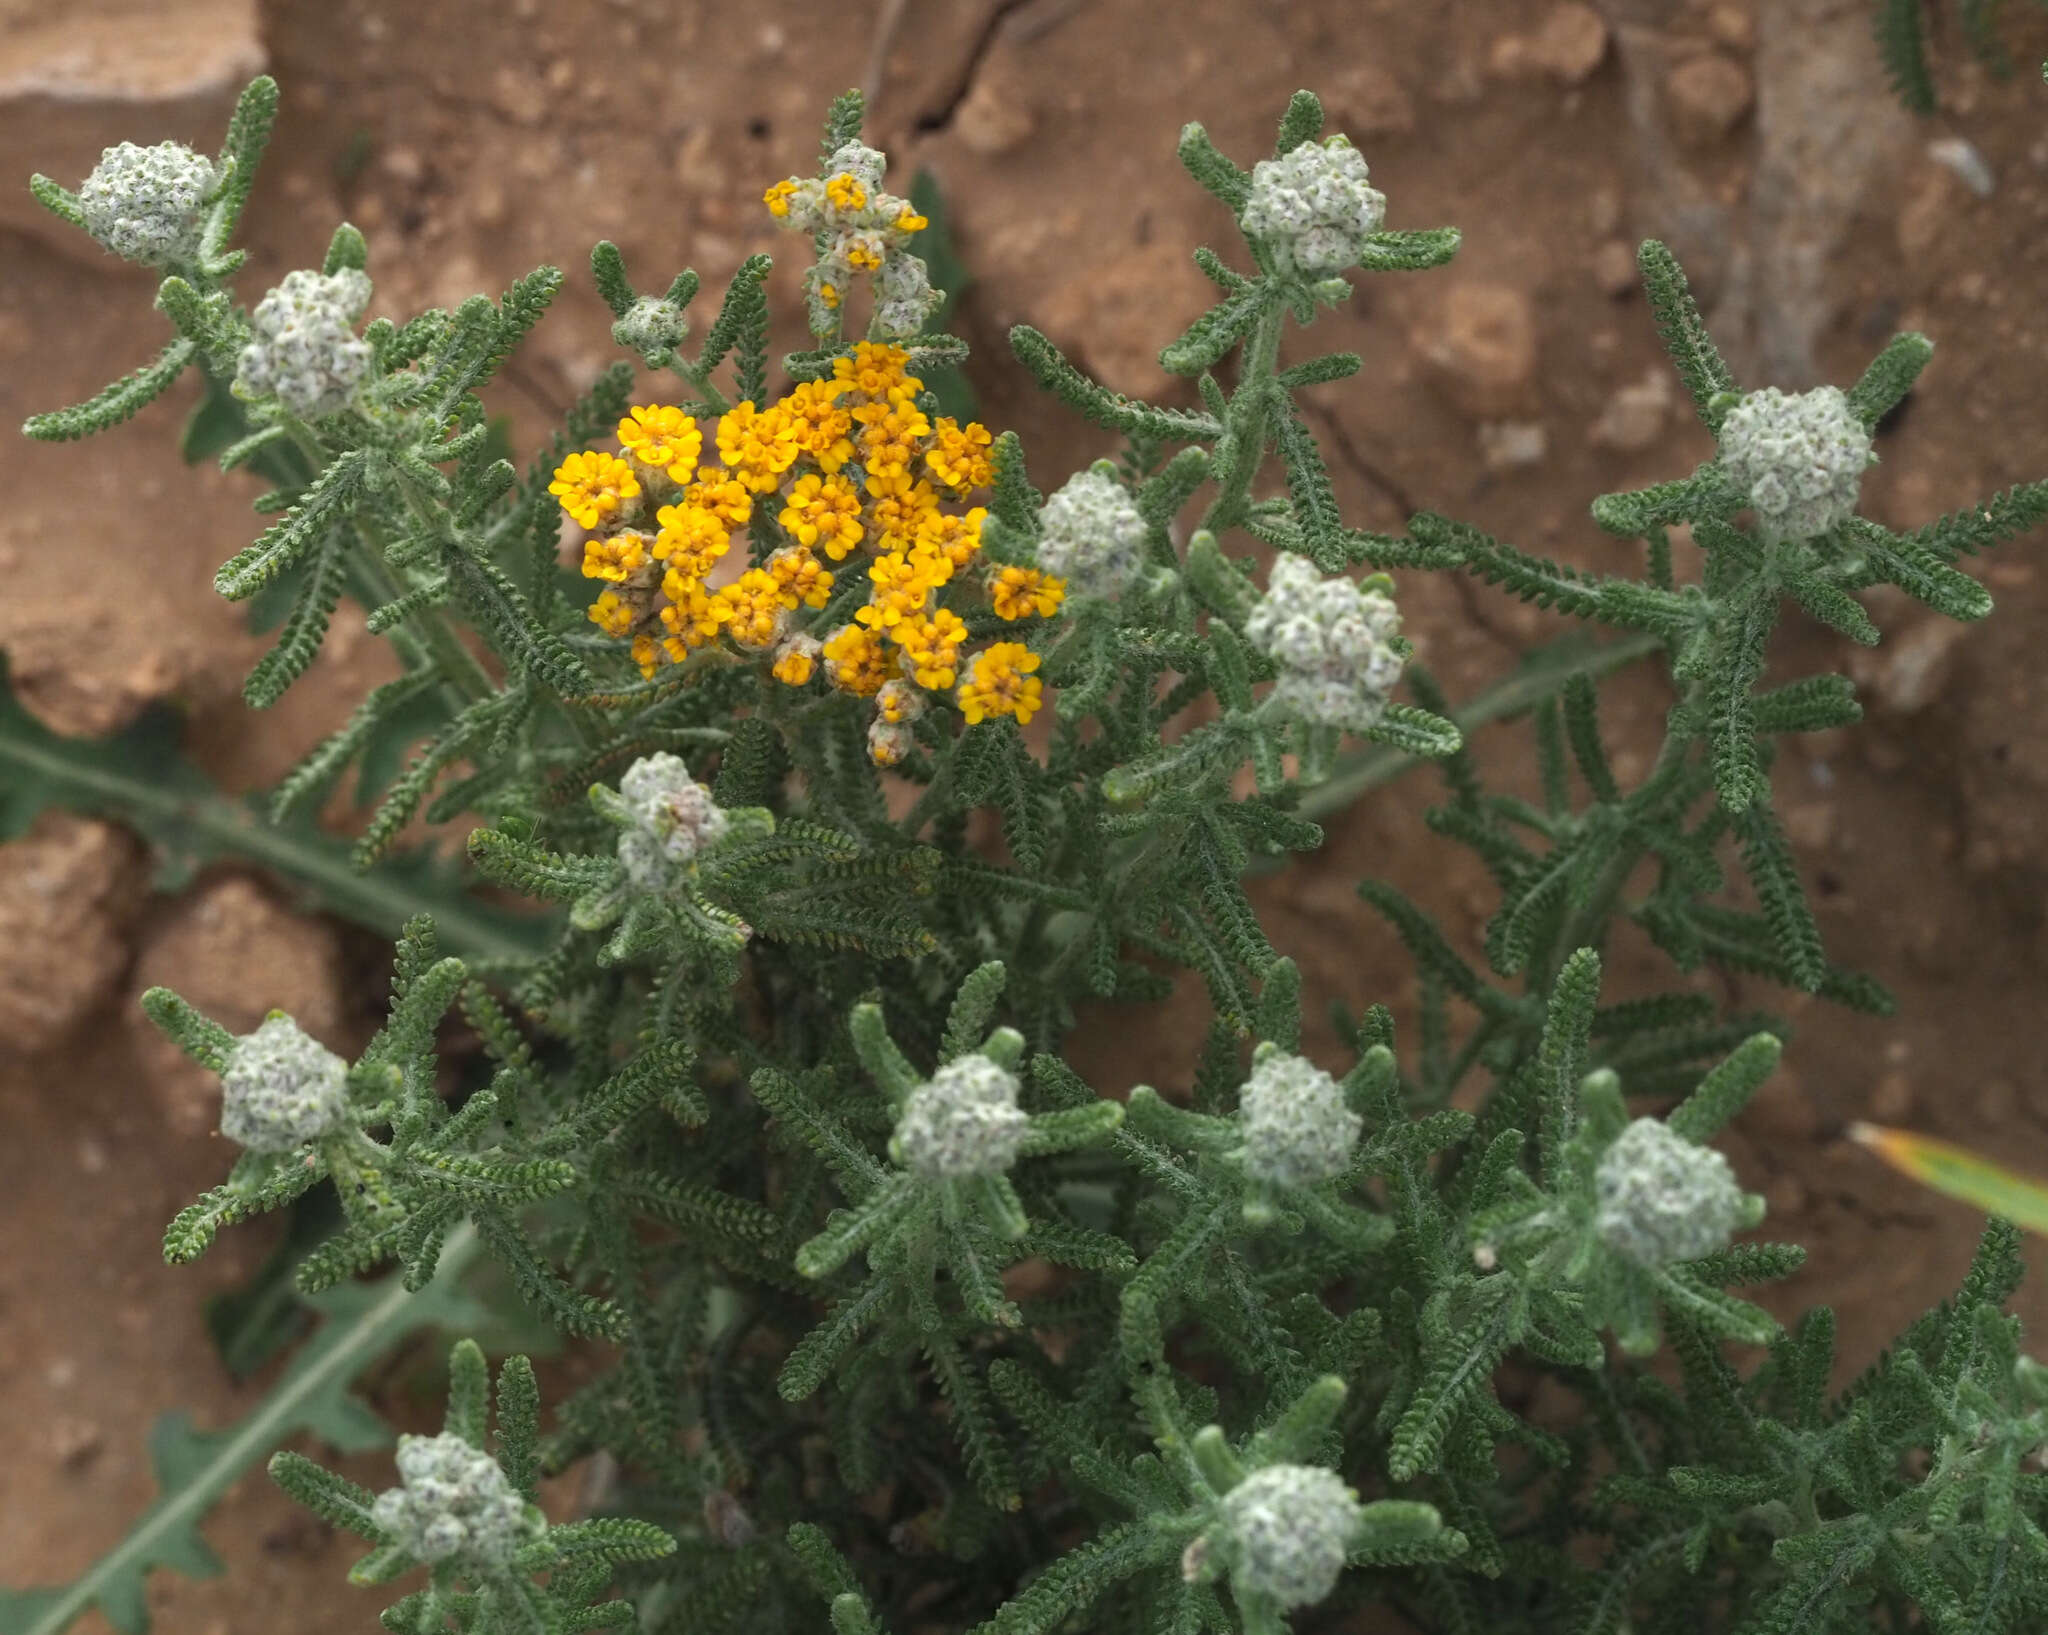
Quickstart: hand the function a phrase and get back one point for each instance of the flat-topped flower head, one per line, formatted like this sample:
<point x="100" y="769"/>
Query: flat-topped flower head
<point x="1091" y="534"/>
<point x="652" y="327"/>
<point x="1799" y="458"/>
<point x="303" y="349"/>
<point x="1664" y="1199"/>
<point x="593" y="486"/>
<point x="1284" y="1531"/>
<point x="281" y="1088"/>
<point x="962" y="1121"/>
<point x="1314" y="208"/>
<point x="455" y="1505"/>
<point x="1333" y="643"/>
<point x="148" y="204"/>
<point x="1298" y="1129"/>
<point x="665" y="803"/>
<point x="1000" y="683"/>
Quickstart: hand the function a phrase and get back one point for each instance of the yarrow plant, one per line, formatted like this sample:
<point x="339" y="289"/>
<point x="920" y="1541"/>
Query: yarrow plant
<point x="867" y="776"/>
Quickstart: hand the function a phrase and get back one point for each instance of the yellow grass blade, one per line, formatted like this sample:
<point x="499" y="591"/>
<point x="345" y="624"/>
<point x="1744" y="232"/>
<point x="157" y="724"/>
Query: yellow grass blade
<point x="1959" y="1173"/>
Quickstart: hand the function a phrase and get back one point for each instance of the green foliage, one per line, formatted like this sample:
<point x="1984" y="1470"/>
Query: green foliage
<point x="900" y="1314"/>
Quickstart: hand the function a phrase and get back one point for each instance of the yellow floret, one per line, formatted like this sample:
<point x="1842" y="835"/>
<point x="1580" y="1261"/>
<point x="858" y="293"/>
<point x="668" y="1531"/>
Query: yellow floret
<point x="643" y="654"/>
<point x="875" y="370"/>
<point x="722" y="494"/>
<point x="820" y="423"/>
<point x="891" y="434"/>
<point x="662" y="436"/>
<point x="959" y="456"/>
<point x="592" y="486"/>
<point x="802" y="576"/>
<point x="796" y="661"/>
<point x="757" y="445"/>
<point x="931" y="646"/>
<point x="857" y="661"/>
<point x="956" y="538"/>
<point x="777" y="197"/>
<point x="898" y="509"/>
<point x="863" y="253"/>
<point x="693" y="615"/>
<point x="753" y="608"/>
<point x="692" y="539"/>
<point x="617" y="558"/>
<point x="844" y="192"/>
<point x="824" y="512"/>
<point x="1018" y="593"/>
<point x="1000" y="683"/>
<point x="901" y="587"/>
<point x="611" y="615"/>
<point x="909" y="221"/>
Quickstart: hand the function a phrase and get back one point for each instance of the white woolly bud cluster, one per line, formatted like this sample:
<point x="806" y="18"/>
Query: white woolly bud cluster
<point x="1091" y="534"/>
<point x="281" y="1088"/>
<point x="963" y="1121"/>
<point x="652" y="327"/>
<point x="1298" y="1129"/>
<point x="1664" y="1199"/>
<point x="1800" y="458"/>
<point x="865" y="230"/>
<point x="670" y="809"/>
<point x="1333" y="642"/>
<point x="305" y="351"/>
<point x="456" y="1505"/>
<point x="1285" y="1531"/>
<point x="1314" y="208"/>
<point x="148" y="204"/>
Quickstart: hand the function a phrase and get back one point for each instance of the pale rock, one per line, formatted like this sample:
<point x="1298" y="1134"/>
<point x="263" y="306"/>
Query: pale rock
<point x="1913" y="667"/>
<point x="1732" y="26"/>
<point x="1570" y="44"/>
<point x="1509" y="445"/>
<point x="994" y="117"/>
<point x="1367" y="100"/>
<point x="69" y="889"/>
<point x="1930" y="212"/>
<point x="234" y="955"/>
<point x="1636" y="417"/>
<point x="1614" y="268"/>
<point x="1117" y="317"/>
<point x="1480" y="349"/>
<point x="1707" y="96"/>
<point x="75" y="80"/>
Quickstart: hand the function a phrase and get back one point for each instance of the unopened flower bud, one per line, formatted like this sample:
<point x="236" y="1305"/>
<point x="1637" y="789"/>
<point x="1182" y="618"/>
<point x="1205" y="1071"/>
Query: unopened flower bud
<point x="1298" y="1129"/>
<point x="1092" y="535"/>
<point x="1798" y="458"/>
<point x="961" y="1122"/>
<point x="456" y="1505"/>
<point x="1664" y="1199"/>
<point x="1333" y="643"/>
<point x="652" y="327"/>
<point x="148" y="204"/>
<point x="1314" y="208"/>
<point x="303" y="348"/>
<point x="1285" y="1531"/>
<point x="281" y="1088"/>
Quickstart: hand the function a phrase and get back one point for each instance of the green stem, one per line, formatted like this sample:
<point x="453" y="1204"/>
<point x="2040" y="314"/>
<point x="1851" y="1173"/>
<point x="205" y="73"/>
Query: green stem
<point x="1246" y="417"/>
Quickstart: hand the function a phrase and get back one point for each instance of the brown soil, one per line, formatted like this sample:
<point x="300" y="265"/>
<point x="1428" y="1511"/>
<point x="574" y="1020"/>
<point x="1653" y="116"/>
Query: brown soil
<point x="472" y="141"/>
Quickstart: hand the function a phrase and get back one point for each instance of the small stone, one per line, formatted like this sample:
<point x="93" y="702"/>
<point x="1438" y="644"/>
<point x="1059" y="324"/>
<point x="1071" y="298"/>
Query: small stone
<point x="994" y="118"/>
<point x="1892" y="1101"/>
<point x="1707" y="96"/>
<point x="1367" y="100"/>
<point x="1481" y="349"/>
<point x="1614" y="269"/>
<point x="1732" y="26"/>
<point x="1571" y="43"/>
<point x="232" y="954"/>
<point x="68" y="889"/>
<point x="1509" y="445"/>
<point x="1929" y="215"/>
<point x="1781" y="1110"/>
<point x="1911" y="670"/>
<point x="1636" y="417"/>
<point x="1116" y="317"/>
<point x="75" y="1442"/>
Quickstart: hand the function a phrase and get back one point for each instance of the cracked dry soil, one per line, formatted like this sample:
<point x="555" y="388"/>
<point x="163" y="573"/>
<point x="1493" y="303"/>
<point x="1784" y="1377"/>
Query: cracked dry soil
<point x="472" y="141"/>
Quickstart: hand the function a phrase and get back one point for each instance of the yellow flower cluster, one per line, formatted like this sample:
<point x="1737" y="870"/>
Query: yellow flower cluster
<point x="844" y="466"/>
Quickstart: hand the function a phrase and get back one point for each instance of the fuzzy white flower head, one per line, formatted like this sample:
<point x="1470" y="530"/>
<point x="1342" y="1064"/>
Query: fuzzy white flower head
<point x="1333" y="642"/>
<point x="670" y="807"/>
<point x="281" y="1088"/>
<point x="456" y="1505"/>
<point x="889" y="741"/>
<point x="304" y="350"/>
<point x="148" y="204"/>
<point x="1800" y="458"/>
<point x="1298" y="1130"/>
<point x="1091" y="534"/>
<point x="856" y="159"/>
<point x="1314" y="208"/>
<point x="964" y="1120"/>
<point x="904" y="297"/>
<point x="1664" y="1199"/>
<point x="1285" y="1531"/>
<point x="652" y="327"/>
